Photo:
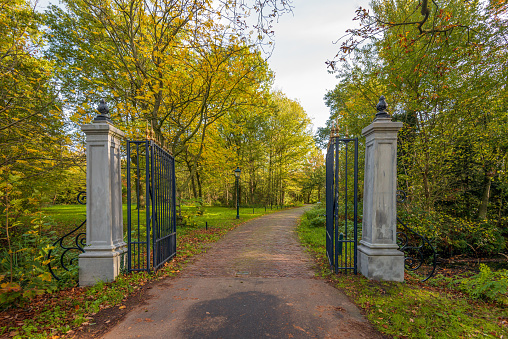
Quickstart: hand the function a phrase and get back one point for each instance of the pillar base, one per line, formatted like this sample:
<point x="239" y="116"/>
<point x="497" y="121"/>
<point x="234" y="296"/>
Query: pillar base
<point x="380" y="262"/>
<point x="97" y="266"/>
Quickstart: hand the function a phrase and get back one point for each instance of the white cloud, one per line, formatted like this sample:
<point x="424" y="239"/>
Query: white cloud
<point x="303" y="43"/>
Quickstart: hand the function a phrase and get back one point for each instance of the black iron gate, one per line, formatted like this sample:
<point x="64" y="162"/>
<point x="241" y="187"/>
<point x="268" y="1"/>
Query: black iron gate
<point x="151" y="208"/>
<point x="341" y="200"/>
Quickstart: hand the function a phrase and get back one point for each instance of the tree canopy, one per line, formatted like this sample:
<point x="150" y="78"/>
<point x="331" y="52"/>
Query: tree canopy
<point x="443" y="68"/>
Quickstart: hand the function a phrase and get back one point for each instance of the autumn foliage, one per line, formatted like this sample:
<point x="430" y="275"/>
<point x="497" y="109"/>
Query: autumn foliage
<point x="443" y="68"/>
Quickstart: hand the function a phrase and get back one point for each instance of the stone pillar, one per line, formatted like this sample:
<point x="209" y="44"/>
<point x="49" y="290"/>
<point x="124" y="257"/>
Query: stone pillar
<point x="378" y="254"/>
<point x="104" y="228"/>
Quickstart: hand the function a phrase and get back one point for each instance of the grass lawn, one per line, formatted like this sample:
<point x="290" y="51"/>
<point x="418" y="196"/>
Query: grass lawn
<point x="73" y="308"/>
<point x="435" y="309"/>
<point x="66" y="216"/>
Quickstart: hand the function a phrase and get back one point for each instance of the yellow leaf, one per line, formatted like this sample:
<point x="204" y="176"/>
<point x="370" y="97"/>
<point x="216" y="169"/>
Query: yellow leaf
<point x="46" y="276"/>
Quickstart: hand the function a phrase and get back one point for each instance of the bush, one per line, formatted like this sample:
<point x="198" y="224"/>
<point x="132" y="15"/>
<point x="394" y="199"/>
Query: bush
<point x="24" y="264"/>
<point x="452" y="235"/>
<point x="197" y="203"/>
<point x="487" y="285"/>
<point x="315" y="217"/>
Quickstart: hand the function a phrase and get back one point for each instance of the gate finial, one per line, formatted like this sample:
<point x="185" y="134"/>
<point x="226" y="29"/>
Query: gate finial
<point x="335" y="130"/>
<point x="103" y="112"/>
<point x="381" y="106"/>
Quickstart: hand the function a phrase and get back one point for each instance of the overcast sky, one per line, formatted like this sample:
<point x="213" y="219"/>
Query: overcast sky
<point x="303" y="42"/>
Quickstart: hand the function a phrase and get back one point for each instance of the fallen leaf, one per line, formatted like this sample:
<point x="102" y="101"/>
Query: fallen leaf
<point x="122" y="307"/>
<point x="299" y="328"/>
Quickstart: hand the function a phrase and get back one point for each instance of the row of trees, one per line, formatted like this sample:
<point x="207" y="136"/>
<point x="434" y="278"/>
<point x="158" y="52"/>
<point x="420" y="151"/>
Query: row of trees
<point x="188" y="70"/>
<point x="196" y="80"/>
<point x="443" y="67"/>
<point x="274" y="147"/>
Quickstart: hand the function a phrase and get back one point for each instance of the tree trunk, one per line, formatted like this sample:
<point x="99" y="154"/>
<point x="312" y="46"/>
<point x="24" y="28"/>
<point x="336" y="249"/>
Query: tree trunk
<point x="200" y="191"/>
<point x="193" y="184"/>
<point x="482" y="213"/>
<point x="227" y="192"/>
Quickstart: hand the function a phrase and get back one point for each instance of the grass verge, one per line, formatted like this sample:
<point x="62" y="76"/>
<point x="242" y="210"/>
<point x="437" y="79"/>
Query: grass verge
<point x="412" y="309"/>
<point x="74" y="309"/>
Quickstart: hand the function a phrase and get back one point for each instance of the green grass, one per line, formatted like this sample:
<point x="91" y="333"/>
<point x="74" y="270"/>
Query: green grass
<point x="417" y="311"/>
<point x="223" y="216"/>
<point x="412" y="309"/>
<point x="65" y="216"/>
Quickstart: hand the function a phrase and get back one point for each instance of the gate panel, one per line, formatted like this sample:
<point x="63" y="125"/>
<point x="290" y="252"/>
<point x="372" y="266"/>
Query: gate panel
<point x="151" y="208"/>
<point x="341" y="197"/>
<point x="163" y="206"/>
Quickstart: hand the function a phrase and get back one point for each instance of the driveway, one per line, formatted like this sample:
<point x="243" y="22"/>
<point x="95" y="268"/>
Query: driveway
<point x="257" y="282"/>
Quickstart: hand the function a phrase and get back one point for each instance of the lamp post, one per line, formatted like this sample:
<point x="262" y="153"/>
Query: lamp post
<point x="237" y="175"/>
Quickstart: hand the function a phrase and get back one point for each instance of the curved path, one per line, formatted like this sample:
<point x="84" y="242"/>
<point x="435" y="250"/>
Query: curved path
<point x="257" y="282"/>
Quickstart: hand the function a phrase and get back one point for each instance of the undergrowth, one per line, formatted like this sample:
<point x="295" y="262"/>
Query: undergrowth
<point x="443" y="307"/>
<point x="63" y="312"/>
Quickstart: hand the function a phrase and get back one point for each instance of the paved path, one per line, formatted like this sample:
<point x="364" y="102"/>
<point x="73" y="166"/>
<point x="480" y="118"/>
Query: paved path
<point x="257" y="282"/>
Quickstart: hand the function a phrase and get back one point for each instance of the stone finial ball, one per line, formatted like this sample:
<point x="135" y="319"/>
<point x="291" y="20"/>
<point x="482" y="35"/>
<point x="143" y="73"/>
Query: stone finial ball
<point x="381" y="105"/>
<point x="103" y="108"/>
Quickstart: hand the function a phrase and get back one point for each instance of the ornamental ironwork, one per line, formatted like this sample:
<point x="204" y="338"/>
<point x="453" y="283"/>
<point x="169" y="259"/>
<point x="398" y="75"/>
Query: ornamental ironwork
<point x="419" y="254"/>
<point x="78" y="242"/>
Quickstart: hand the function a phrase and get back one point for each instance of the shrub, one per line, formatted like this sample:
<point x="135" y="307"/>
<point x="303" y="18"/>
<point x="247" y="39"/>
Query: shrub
<point x="487" y="285"/>
<point x="316" y="217"/>
<point x="24" y="264"/>
<point x="453" y="235"/>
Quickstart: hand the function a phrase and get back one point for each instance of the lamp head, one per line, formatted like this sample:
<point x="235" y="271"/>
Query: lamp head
<point x="237" y="172"/>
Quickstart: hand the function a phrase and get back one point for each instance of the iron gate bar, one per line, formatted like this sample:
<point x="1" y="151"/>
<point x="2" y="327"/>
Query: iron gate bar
<point x="329" y="203"/>
<point x="336" y="205"/>
<point x="128" y="178"/>
<point x="345" y="206"/>
<point x="163" y="219"/>
<point x="341" y="246"/>
<point x="355" y="210"/>
<point x="148" y="252"/>
<point x="149" y="165"/>
<point x="134" y="247"/>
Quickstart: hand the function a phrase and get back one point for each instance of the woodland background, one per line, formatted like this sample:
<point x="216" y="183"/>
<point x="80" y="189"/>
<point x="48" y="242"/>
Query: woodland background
<point x="194" y="73"/>
<point x="443" y="67"/>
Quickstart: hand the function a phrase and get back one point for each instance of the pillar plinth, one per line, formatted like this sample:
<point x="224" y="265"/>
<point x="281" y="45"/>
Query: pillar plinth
<point x="378" y="254"/>
<point x="104" y="228"/>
